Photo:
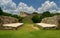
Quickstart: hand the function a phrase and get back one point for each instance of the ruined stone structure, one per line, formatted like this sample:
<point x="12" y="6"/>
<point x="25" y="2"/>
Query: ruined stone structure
<point x="52" y="20"/>
<point x="23" y="14"/>
<point x="8" y="20"/>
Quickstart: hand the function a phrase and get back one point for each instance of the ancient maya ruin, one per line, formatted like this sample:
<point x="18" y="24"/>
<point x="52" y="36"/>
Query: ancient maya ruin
<point x="50" y="22"/>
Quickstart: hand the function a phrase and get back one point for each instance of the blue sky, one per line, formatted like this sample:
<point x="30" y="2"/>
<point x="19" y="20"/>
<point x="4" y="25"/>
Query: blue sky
<point x="30" y="6"/>
<point x="35" y="3"/>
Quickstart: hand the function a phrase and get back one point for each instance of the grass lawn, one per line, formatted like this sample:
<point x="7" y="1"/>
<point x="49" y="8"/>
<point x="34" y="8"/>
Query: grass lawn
<point x="27" y="32"/>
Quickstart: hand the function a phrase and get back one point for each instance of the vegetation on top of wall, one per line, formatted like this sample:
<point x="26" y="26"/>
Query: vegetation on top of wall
<point x="11" y="15"/>
<point x="38" y="19"/>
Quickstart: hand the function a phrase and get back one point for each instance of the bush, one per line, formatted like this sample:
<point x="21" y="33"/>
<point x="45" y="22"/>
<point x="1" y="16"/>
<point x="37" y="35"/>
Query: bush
<point x="36" y="19"/>
<point x="46" y="14"/>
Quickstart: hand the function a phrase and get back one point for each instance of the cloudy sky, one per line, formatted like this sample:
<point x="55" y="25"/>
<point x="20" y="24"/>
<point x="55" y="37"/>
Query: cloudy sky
<point x="29" y="6"/>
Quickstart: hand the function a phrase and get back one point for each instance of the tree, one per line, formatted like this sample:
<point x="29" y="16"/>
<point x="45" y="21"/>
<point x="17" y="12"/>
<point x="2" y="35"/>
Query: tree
<point x="1" y="12"/>
<point x="45" y="14"/>
<point x="36" y="19"/>
<point x="0" y="9"/>
<point x="35" y="13"/>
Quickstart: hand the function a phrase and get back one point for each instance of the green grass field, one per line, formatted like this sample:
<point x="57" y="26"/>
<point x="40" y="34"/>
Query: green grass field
<point x="27" y="32"/>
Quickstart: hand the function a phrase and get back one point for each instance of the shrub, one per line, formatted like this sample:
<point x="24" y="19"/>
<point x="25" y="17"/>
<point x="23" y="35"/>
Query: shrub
<point x="36" y="19"/>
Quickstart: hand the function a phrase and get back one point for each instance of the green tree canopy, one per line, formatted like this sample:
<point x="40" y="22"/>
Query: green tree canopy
<point x="1" y="12"/>
<point x="0" y="9"/>
<point x="46" y="14"/>
<point x="35" y="13"/>
<point x="36" y="19"/>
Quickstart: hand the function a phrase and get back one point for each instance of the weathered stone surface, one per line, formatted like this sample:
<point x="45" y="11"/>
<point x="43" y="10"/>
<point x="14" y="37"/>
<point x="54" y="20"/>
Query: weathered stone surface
<point x="52" y="20"/>
<point x="7" y="20"/>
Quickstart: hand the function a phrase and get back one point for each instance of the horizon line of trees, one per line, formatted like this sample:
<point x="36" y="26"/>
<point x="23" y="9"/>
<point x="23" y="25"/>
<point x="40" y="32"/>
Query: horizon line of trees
<point x="36" y="18"/>
<point x="11" y="15"/>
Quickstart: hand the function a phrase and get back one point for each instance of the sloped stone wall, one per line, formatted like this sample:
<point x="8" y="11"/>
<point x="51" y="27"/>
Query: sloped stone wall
<point x="7" y="20"/>
<point x="52" y="20"/>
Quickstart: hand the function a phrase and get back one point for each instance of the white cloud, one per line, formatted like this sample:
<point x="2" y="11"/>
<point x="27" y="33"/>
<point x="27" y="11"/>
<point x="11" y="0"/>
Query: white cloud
<point x="24" y="7"/>
<point x="48" y="6"/>
<point x="7" y="4"/>
<point x="31" y="9"/>
<point x="10" y="7"/>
